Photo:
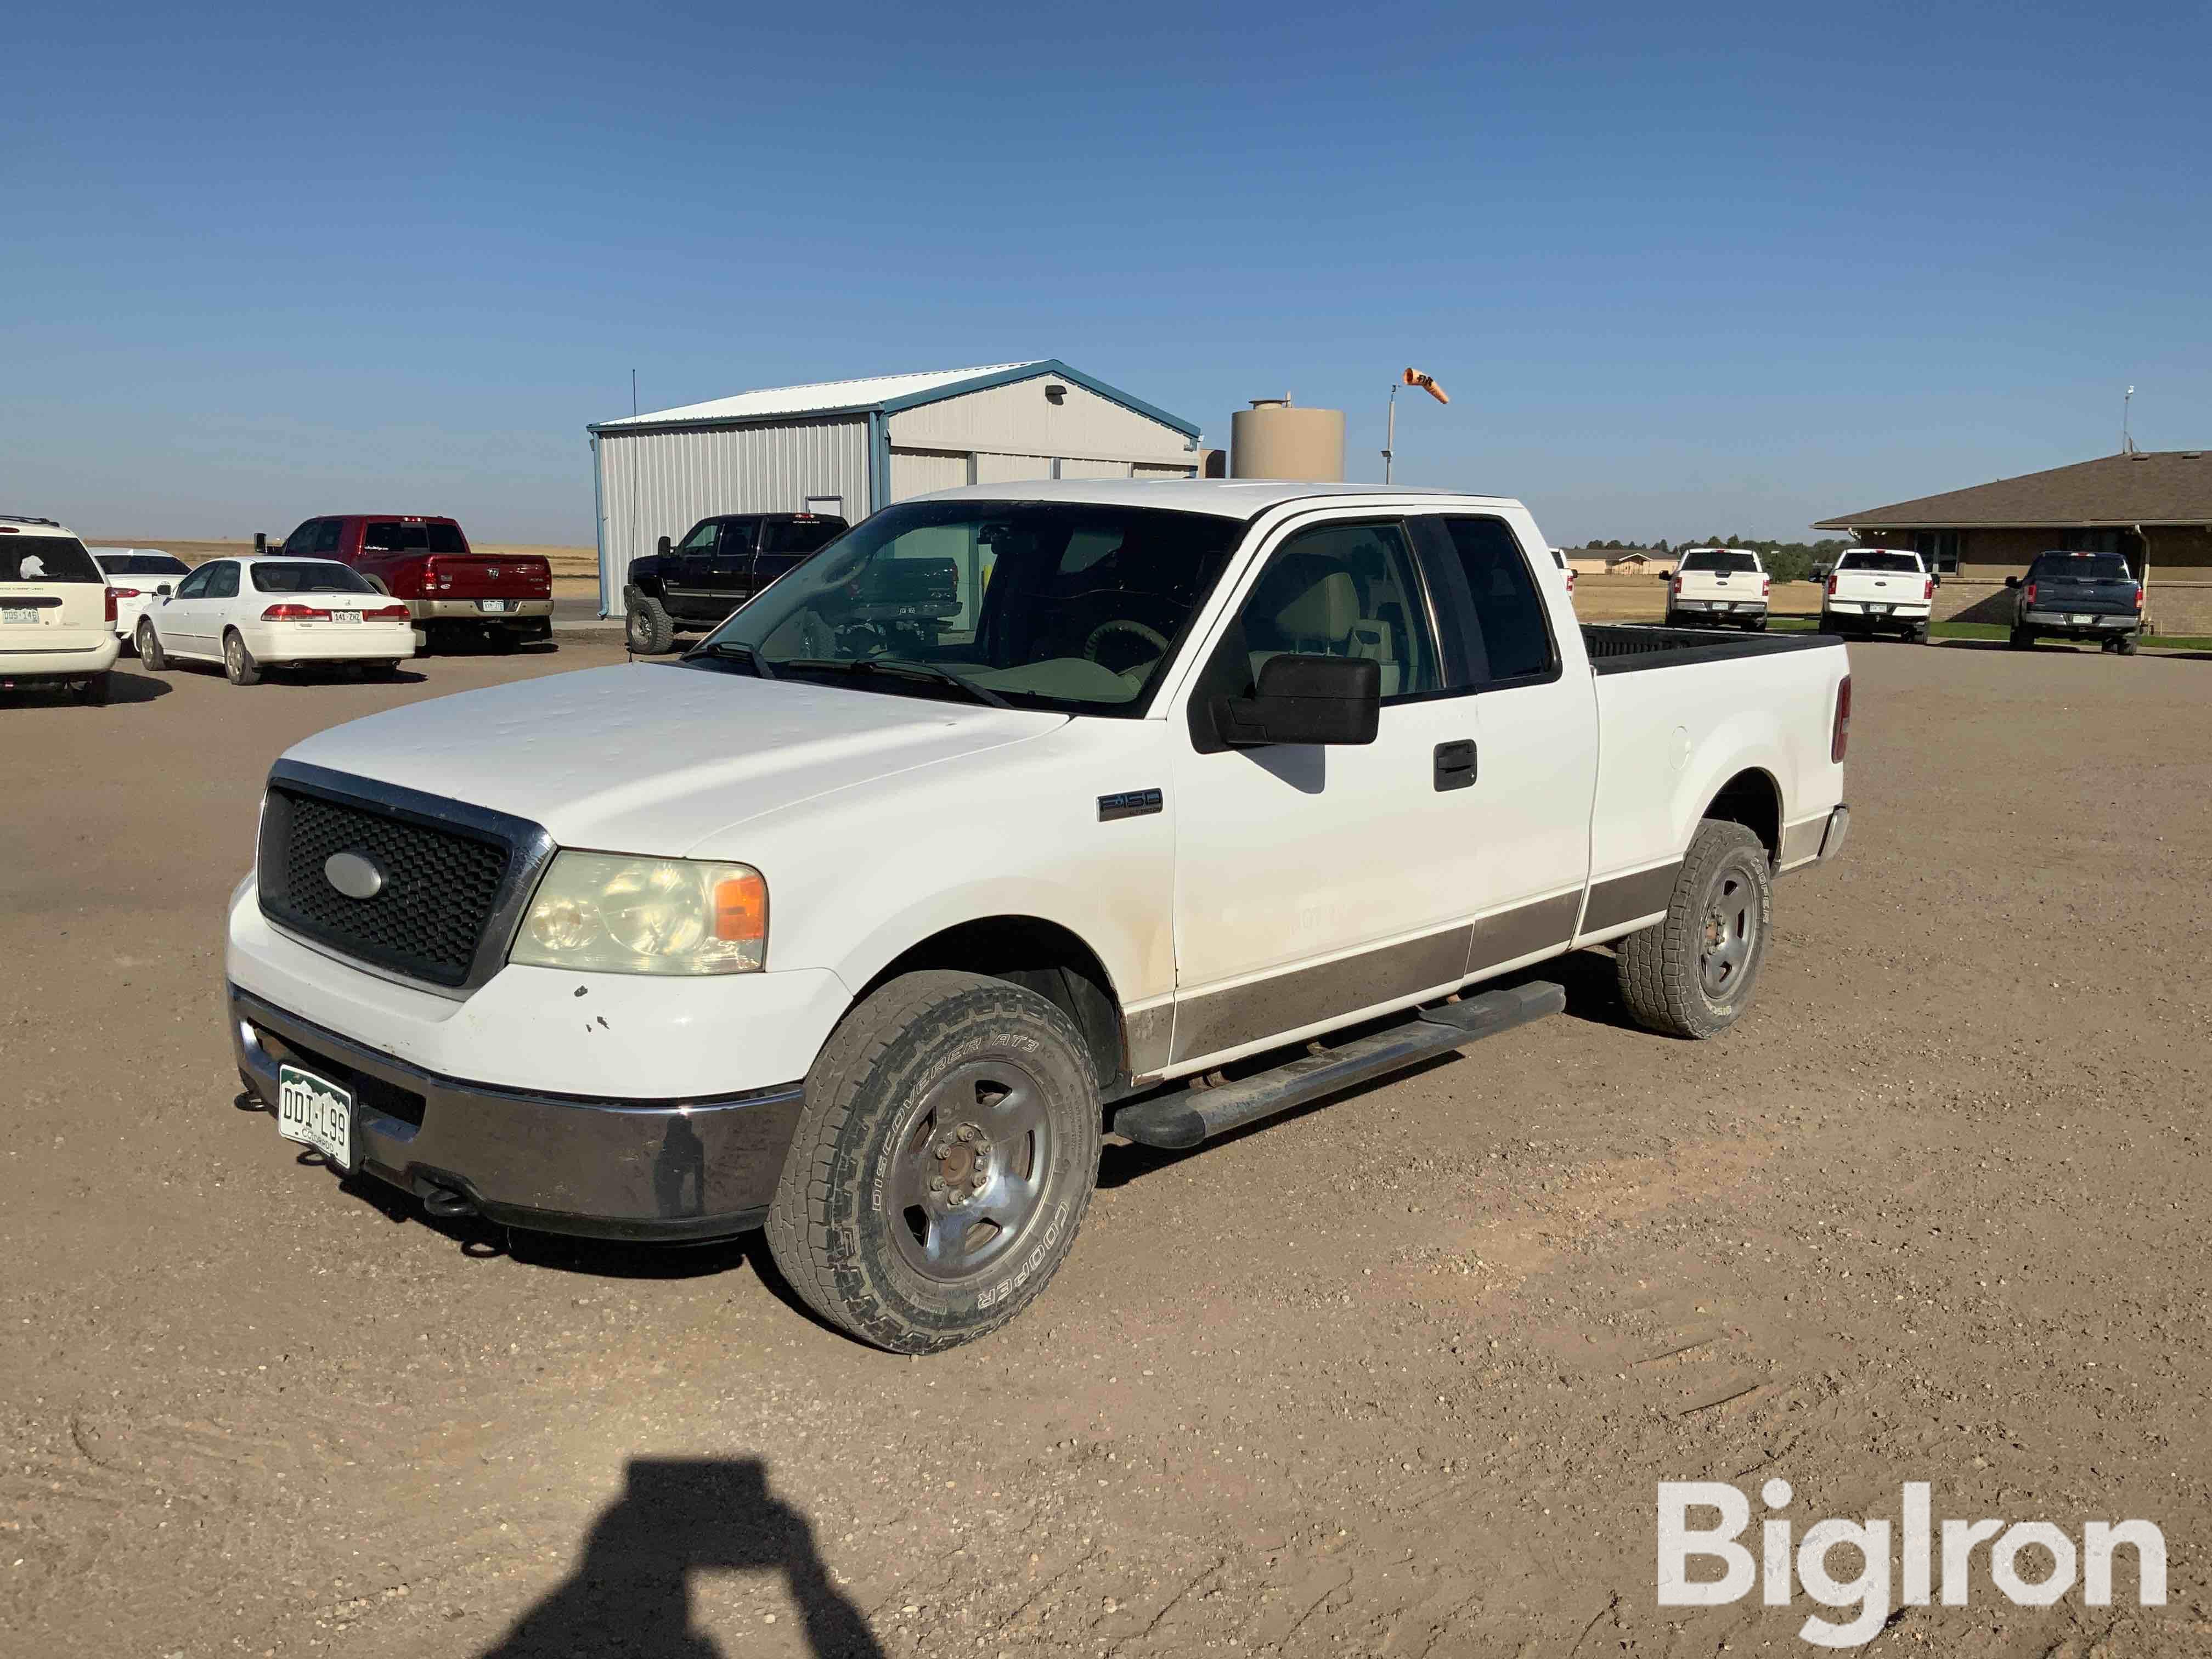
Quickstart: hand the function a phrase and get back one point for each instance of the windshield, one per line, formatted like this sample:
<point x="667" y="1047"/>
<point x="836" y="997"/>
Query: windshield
<point x="140" y="564"/>
<point x="1732" y="563"/>
<point x="2081" y="568"/>
<point x="1062" y="606"/>
<point x="1896" y="563"/>
<point x="47" y="559"/>
<point x="308" y="576"/>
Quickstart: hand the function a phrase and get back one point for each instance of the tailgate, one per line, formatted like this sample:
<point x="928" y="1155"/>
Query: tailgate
<point x="1720" y="585"/>
<point x="487" y="576"/>
<point x="1880" y="586"/>
<point x="2084" y="598"/>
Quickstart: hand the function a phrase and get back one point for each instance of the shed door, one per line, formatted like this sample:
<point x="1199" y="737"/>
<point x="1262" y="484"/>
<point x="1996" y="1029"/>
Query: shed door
<point x="991" y="468"/>
<point x="918" y="472"/>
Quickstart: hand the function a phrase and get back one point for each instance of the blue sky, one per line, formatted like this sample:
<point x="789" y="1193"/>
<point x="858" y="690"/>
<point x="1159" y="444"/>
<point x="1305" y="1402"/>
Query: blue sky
<point x="1710" y="272"/>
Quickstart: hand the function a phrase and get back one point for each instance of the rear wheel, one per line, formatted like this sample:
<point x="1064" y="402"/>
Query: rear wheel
<point x="149" y="647"/>
<point x="238" y="664"/>
<point x="1692" y="974"/>
<point x="648" y="628"/>
<point x="2130" y="644"/>
<point x="2021" y="639"/>
<point x="942" y="1164"/>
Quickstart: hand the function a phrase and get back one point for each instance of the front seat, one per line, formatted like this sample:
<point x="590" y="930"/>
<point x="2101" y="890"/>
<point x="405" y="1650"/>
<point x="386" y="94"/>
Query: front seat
<point x="1323" y="619"/>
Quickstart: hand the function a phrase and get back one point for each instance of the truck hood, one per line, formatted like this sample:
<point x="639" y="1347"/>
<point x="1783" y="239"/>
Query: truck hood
<point x="650" y="758"/>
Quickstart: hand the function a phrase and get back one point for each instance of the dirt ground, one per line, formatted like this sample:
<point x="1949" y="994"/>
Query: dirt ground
<point x="1397" y="1375"/>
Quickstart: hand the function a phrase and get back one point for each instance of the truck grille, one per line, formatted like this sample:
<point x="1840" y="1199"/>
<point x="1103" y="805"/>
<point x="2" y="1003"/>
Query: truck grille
<point x="442" y="884"/>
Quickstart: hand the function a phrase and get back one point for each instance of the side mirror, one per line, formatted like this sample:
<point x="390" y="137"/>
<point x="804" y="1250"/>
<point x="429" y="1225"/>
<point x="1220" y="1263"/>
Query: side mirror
<point x="661" y="547"/>
<point x="1332" y="700"/>
<point x="163" y="590"/>
<point x="2012" y="581"/>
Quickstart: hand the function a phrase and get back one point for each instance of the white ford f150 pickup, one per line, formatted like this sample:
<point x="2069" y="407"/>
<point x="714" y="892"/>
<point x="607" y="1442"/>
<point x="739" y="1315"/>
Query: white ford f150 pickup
<point x="1017" y="815"/>
<point x="1878" y="590"/>
<point x="1715" y="585"/>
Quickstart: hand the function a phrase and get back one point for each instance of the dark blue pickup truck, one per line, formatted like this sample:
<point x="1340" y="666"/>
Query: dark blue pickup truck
<point x="2078" y="595"/>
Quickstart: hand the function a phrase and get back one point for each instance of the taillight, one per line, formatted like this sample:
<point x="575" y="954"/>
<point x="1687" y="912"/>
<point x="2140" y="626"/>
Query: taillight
<point x="126" y="592"/>
<point x="1928" y="588"/>
<point x="294" y="613"/>
<point x="2138" y="596"/>
<point x="385" y="613"/>
<point x="111" y="604"/>
<point x="1840" y="739"/>
<point x="1766" y="586"/>
<point x="1678" y="585"/>
<point x="2031" y="593"/>
<point x="1832" y="584"/>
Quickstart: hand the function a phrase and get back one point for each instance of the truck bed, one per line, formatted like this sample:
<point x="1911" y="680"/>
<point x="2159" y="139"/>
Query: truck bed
<point x="1626" y="647"/>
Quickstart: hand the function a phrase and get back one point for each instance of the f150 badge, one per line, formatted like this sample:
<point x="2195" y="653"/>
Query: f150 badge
<point x="1130" y="804"/>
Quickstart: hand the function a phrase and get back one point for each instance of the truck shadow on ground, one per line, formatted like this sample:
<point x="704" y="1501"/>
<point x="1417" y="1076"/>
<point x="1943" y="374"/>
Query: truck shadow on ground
<point x="630" y="1592"/>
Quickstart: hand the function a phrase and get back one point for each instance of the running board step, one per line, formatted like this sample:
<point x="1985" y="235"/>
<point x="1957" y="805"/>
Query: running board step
<point x="1190" y="1116"/>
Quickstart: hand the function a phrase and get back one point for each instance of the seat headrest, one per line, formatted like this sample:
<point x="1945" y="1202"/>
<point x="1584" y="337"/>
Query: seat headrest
<point x="1325" y="612"/>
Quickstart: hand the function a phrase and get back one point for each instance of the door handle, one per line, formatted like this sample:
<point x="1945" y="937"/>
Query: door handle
<point x="1455" y="764"/>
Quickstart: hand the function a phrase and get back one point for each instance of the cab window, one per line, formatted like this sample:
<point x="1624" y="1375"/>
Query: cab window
<point x="1492" y="613"/>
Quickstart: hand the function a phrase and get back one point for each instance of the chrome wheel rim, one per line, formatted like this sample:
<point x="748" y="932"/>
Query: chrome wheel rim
<point x="234" y="656"/>
<point x="1729" y="938"/>
<point x="968" y="1170"/>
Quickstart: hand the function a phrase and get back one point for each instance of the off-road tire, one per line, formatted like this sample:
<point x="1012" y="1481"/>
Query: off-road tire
<point x="238" y="665"/>
<point x="648" y="626"/>
<point x="829" y="1225"/>
<point x="149" y="648"/>
<point x="1661" y="969"/>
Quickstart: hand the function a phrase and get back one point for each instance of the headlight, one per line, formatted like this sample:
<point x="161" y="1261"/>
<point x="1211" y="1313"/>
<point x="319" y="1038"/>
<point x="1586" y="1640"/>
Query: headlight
<point x="606" y="911"/>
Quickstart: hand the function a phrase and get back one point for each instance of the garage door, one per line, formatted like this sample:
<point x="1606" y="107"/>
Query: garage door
<point x="918" y="472"/>
<point x="1011" y="469"/>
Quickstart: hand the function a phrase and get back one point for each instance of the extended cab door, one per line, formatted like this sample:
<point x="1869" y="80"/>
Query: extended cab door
<point x="1524" y="698"/>
<point x="687" y="570"/>
<point x="1312" y="882"/>
<point x="729" y="581"/>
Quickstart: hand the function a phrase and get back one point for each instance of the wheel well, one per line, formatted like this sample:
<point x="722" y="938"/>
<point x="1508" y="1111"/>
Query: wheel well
<point x="1751" y="799"/>
<point x="1038" y="956"/>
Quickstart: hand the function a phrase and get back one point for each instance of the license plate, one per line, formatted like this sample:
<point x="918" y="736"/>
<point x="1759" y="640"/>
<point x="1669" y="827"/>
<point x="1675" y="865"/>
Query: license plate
<point x="316" y="1114"/>
<point x="1877" y="610"/>
<point x="18" y="613"/>
<point x="494" y="605"/>
<point x="346" y="616"/>
<point x="2078" y="620"/>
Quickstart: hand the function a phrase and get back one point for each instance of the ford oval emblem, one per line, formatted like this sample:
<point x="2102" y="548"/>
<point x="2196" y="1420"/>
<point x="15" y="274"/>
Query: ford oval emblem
<point x="352" y="874"/>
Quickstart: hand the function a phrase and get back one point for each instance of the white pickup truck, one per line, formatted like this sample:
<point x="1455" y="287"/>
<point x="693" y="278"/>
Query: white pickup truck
<point x="1712" y="586"/>
<point x="1017" y="815"/>
<point x="1878" y="590"/>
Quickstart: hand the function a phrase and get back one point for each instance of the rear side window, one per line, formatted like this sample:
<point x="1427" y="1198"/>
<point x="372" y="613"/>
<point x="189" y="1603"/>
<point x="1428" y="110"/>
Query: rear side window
<point x="1503" y="633"/>
<point x="47" y="559"/>
<point x="2082" y="568"/>
<point x="308" y="576"/>
<point x="446" y="538"/>
<point x="1891" y="563"/>
<point x="387" y="536"/>
<point x="222" y="581"/>
<point x="800" y="536"/>
<point x="738" y="537"/>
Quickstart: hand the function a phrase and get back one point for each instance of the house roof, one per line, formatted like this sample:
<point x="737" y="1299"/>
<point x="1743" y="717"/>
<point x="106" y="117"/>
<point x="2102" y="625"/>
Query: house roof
<point x="887" y="394"/>
<point x="2170" y="486"/>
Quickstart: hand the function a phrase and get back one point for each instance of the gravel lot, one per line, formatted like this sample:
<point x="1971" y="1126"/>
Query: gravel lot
<point x="1396" y="1376"/>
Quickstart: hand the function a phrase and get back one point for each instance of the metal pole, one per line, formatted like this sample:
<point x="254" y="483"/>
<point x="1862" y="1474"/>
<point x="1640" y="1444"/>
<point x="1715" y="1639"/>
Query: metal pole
<point x="1390" y="439"/>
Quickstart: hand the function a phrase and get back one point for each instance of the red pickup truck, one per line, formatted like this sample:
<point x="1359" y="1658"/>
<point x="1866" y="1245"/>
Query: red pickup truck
<point x="427" y="563"/>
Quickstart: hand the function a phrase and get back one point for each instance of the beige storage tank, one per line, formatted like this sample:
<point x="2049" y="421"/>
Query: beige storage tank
<point x="1272" y="440"/>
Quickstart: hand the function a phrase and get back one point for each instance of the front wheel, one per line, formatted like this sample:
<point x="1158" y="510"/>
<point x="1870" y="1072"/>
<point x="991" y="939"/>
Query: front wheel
<point x="150" y="647"/>
<point x="942" y="1164"/>
<point x="1691" y="975"/>
<point x="238" y="664"/>
<point x="648" y="626"/>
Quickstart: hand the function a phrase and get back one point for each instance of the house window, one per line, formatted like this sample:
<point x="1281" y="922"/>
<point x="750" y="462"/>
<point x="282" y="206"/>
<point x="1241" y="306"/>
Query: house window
<point x="1939" y="549"/>
<point x="2085" y="541"/>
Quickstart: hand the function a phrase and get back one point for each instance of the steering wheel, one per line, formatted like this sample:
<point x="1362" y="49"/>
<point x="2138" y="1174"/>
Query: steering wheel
<point x="1150" y="636"/>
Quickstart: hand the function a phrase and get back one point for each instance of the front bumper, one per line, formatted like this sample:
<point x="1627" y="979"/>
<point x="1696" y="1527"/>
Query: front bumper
<point x="71" y="662"/>
<point x="672" y="1170"/>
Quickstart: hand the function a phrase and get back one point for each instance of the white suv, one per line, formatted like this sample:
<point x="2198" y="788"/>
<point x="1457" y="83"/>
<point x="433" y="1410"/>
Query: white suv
<point x="56" y="610"/>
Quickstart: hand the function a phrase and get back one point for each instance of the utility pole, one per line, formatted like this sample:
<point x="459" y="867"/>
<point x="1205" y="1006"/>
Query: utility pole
<point x="2127" y="438"/>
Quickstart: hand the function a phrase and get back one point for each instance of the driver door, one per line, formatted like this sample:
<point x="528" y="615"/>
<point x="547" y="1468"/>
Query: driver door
<point x="179" y="621"/>
<point x="686" y="572"/>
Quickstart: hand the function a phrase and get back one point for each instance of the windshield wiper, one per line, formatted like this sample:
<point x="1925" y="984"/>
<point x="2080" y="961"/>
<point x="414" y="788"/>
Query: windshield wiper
<point x="732" y="651"/>
<point x="903" y="666"/>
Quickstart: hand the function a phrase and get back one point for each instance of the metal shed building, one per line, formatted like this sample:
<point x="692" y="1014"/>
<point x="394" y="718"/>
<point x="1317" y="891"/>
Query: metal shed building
<point x="849" y="447"/>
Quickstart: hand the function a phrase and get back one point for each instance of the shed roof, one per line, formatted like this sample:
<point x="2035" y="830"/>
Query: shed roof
<point x="885" y="392"/>
<point x="2170" y="486"/>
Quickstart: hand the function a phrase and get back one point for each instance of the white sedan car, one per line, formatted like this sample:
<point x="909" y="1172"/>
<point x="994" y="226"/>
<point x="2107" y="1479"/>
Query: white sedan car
<point x="267" y="612"/>
<point x="139" y="576"/>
